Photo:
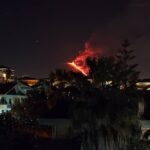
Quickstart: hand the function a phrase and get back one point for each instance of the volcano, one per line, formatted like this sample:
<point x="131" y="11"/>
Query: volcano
<point x="79" y="63"/>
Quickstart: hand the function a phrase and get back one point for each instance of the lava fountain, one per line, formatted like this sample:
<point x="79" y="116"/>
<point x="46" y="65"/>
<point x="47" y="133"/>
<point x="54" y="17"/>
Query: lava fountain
<point x="79" y="63"/>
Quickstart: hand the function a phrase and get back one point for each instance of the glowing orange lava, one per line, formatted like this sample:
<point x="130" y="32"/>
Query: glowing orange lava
<point x="79" y="63"/>
<point x="77" y="68"/>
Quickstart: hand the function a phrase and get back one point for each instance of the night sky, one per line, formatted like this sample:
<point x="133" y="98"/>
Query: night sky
<point x="38" y="36"/>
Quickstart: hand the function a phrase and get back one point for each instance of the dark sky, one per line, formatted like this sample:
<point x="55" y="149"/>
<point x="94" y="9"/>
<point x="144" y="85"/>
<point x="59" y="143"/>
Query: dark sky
<point x="37" y="36"/>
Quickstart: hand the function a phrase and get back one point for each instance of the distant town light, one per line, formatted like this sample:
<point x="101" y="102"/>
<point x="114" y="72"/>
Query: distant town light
<point x="4" y="75"/>
<point x="143" y="83"/>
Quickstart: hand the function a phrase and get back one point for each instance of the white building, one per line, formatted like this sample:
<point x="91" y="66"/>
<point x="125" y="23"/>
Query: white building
<point x="15" y="94"/>
<point x="4" y="108"/>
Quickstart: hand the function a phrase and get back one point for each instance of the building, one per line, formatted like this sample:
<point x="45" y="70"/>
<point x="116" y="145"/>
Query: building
<point x="60" y="127"/>
<point x="143" y="84"/>
<point x="28" y="80"/>
<point x="6" y="74"/>
<point x="4" y="108"/>
<point x="17" y="93"/>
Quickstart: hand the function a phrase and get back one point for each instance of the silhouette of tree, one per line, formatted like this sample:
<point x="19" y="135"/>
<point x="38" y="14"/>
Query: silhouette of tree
<point x="120" y="70"/>
<point x="101" y="70"/>
<point x="103" y="106"/>
<point x="106" y="113"/>
<point x="125" y="70"/>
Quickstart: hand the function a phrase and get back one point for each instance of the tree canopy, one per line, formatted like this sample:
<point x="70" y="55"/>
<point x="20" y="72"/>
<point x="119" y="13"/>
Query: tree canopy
<point x="104" y="106"/>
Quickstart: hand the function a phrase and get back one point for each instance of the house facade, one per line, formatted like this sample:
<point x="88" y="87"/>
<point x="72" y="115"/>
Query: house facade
<point x="17" y="93"/>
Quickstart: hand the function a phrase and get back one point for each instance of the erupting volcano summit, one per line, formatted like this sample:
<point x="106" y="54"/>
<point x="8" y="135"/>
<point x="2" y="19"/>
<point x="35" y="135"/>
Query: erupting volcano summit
<point x="79" y="63"/>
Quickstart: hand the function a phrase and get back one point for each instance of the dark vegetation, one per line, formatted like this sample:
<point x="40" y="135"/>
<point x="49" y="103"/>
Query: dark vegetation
<point x="104" y="116"/>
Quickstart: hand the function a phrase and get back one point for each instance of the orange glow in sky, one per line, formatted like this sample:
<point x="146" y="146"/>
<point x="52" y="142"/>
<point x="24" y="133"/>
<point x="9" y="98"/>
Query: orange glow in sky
<point x="79" y="63"/>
